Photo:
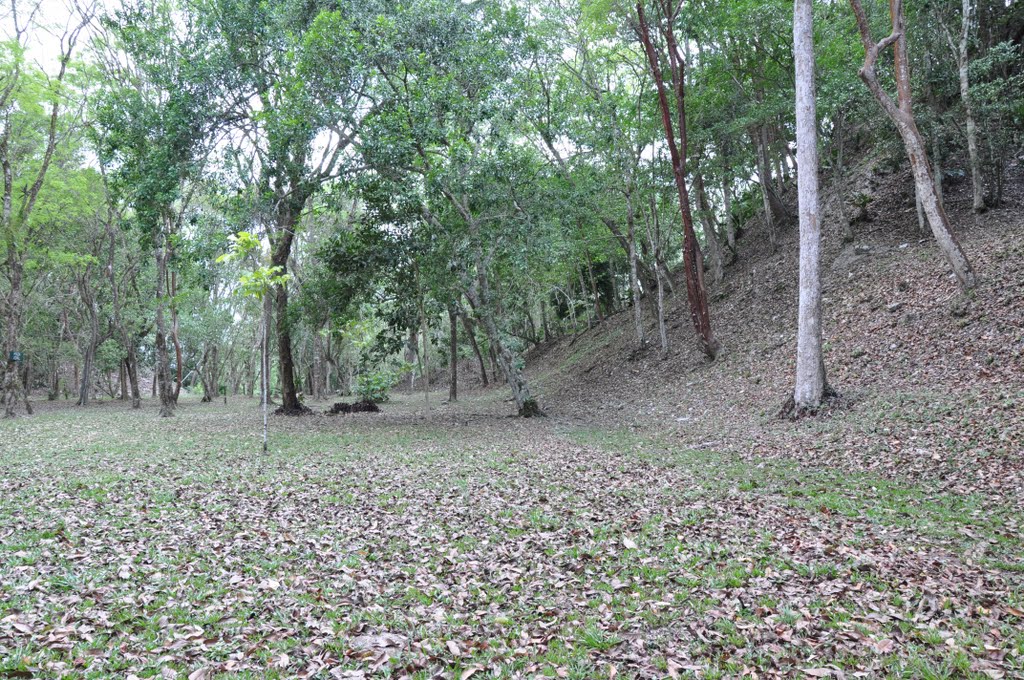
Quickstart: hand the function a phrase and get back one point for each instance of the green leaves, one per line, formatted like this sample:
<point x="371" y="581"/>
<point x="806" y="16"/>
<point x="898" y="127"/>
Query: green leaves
<point x="243" y="244"/>
<point x="261" y="280"/>
<point x="257" y="282"/>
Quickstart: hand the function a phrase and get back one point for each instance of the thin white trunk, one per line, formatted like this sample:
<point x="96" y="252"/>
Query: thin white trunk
<point x="763" y="178"/>
<point x="634" y="280"/>
<point x="963" y="62"/>
<point x="810" y="368"/>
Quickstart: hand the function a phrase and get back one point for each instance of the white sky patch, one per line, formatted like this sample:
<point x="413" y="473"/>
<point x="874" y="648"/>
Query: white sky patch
<point x="44" y="22"/>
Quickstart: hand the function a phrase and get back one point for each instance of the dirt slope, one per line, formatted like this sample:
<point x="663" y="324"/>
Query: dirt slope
<point x="932" y="383"/>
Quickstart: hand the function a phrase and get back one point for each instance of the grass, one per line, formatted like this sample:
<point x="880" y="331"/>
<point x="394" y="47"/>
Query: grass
<point x="134" y="545"/>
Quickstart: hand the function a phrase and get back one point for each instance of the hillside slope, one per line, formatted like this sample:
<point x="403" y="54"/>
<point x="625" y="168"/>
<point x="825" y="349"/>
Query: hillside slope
<point x="932" y="383"/>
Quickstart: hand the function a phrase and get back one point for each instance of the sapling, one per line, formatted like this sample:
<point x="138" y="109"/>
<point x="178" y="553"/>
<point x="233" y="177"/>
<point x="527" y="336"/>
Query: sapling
<point x="256" y="283"/>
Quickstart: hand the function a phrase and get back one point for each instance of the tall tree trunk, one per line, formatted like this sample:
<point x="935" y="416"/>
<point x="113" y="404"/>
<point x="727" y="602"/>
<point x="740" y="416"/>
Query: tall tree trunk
<point x="707" y="221"/>
<point x="654" y="237"/>
<point x="593" y="287"/>
<point x="544" y="320"/>
<point x="92" y="341"/>
<point x="692" y="262"/>
<point x="122" y="380"/>
<point x="425" y="332"/>
<point x="208" y="374"/>
<point x="178" y="360"/>
<point x="453" y="355"/>
<point x="730" y="223"/>
<point x="132" y="365"/>
<point x="286" y="220"/>
<point x="839" y="172"/>
<point x="163" y="360"/>
<point x="12" y="389"/>
<point x="902" y="115"/>
<point x="634" y="279"/>
<point x="763" y="179"/>
<point x="960" y="52"/>
<point x="937" y="173"/>
<point x="471" y="334"/>
<point x="810" y="367"/>
<point x="479" y="295"/>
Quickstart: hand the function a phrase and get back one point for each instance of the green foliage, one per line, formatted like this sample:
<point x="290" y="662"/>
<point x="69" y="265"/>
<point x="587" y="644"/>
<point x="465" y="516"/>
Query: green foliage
<point x="376" y="385"/>
<point x="259" y="280"/>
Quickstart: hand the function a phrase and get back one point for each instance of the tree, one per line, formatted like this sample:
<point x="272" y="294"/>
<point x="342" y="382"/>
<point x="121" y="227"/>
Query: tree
<point x="298" y="95"/>
<point x="155" y="123"/>
<point x="257" y="283"/>
<point x="960" y="49"/>
<point x="902" y="115"/>
<point x="440" y="137"/>
<point x="693" y="266"/>
<point x="811" y="386"/>
<point x="28" y="140"/>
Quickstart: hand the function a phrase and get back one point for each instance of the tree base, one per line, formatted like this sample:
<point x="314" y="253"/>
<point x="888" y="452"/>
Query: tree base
<point x="791" y="411"/>
<point x="710" y="349"/>
<point x="531" y="409"/>
<point x="299" y="410"/>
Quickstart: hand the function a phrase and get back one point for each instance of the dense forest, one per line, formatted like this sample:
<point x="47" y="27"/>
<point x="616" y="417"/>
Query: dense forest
<point x="363" y="194"/>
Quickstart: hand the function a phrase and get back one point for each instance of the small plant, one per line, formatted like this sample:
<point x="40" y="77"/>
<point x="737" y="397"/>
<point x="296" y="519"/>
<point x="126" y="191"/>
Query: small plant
<point x="376" y="385"/>
<point x="861" y="201"/>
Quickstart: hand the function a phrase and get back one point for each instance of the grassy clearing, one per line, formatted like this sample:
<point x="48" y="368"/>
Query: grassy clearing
<point x="404" y="546"/>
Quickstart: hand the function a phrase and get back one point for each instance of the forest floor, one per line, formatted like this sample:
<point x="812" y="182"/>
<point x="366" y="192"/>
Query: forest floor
<point x="457" y="542"/>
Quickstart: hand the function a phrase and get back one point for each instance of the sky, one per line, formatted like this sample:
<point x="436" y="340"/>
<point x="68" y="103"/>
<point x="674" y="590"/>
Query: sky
<point x="50" y="19"/>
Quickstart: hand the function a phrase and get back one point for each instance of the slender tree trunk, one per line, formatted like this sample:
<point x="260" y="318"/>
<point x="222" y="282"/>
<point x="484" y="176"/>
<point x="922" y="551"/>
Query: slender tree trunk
<point x="412" y="356"/>
<point x="12" y="388"/>
<point x="937" y="173"/>
<point x="163" y="361"/>
<point x="963" y="62"/>
<point x="89" y="355"/>
<point x="593" y="287"/>
<point x="810" y="366"/>
<point x="425" y="332"/>
<point x="634" y="279"/>
<point x="179" y="362"/>
<point x="692" y="262"/>
<point x="479" y="296"/>
<point x="132" y="365"/>
<point x="654" y="237"/>
<point x="208" y="374"/>
<point x="730" y="224"/>
<point x="122" y="381"/>
<point x="707" y="221"/>
<point x="453" y="355"/>
<point x="765" y="182"/>
<point x="838" y="174"/>
<point x="471" y="334"/>
<point x="902" y="115"/>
